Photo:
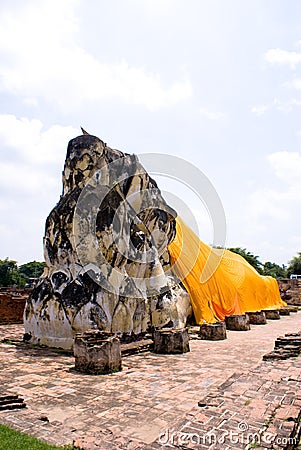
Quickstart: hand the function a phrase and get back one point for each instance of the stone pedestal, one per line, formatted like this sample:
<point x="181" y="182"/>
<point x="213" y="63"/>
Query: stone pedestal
<point x="257" y="317"/>
<point x="171" y="340"/>
<point x="284" y="312"/>
<point x="237" y="322"/>
<point x="97" y="353"/>
<point x="272" y="314"/>
<point x="213" y="331"/>
<point x="293" y="309"/>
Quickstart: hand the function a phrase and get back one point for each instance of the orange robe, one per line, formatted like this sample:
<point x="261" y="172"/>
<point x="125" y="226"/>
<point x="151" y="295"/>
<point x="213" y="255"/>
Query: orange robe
<point x="219" y="282"/>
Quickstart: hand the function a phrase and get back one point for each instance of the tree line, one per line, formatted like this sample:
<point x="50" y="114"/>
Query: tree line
<point x="269" y="268"/>
<point x="11" y="274"/>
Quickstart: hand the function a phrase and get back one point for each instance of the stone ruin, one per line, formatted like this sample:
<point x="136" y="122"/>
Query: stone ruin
<point x="12" y="303"/>
<point x="287" y="346"/>
<point x="106" y="252"/>
<point x="290" y="290"/>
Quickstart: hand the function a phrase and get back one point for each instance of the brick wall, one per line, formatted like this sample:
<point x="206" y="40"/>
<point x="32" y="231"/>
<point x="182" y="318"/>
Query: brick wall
<point x="12" y="306"/>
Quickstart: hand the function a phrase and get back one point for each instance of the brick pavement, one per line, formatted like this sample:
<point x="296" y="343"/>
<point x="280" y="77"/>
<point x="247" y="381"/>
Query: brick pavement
<point x="259" y="408"/>
<point x="155" y="393"/>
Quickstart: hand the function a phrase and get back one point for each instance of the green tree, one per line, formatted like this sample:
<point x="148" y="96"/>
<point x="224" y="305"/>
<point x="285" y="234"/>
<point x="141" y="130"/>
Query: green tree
<point x="294" y="266"/>
<point x="33" y="269"/>
<point x="274" y="270"/>
<point x="9" y="274"/>
<point x="252" y="259"/>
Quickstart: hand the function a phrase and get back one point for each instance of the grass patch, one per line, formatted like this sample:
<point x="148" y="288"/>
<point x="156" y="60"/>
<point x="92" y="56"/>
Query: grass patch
<point x="12" y="439"/>
<point x="7" y="342"/>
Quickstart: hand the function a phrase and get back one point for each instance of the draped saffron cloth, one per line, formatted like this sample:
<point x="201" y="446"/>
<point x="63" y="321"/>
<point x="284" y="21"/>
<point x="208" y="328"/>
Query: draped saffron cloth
<point x="220" y="283"/>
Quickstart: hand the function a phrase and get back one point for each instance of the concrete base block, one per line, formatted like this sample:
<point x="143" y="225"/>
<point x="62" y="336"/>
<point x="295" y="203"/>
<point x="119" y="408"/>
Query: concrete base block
<point x="237" y="322"/>
<point x="213" y="331"/>
<point x="171" y="340"/>
<point x="272" y="314"/>
<point x="97" y="353"/>
<point x="284" y="312"/>
<point x="257" y="317"/>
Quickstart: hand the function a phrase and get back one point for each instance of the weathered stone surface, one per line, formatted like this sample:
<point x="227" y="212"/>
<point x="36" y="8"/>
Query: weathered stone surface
<point x="287" y="346"/>
<point x="272" y="314"/>
<point x="257" y="317"/>
<point x="11" y="402"/>
<point x="106" y="252"/>
<point x="293" y="309"/>
<point x="171" y="340"/>
<point x="284" y="312"/>
<point x="136" y="347"/>
<point x="290" y="290"/>
<point x="238" y="322"/>
<point x="213" y="331"/>
<point x="282" y="353"/>
<point x="289" y="339"/>
<point x="97" y="353"/>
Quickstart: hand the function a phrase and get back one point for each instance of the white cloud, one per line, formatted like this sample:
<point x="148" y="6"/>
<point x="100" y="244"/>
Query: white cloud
<point x="212" y="115"/>
<point x="30" y="182"/>
<point x="259" y="110"/>
<point x="156" y="7"/>
<point x="32" y="143"/>
<point x="282" y="203"/>
<point x="48" y="63"/>
<point x="286" y="106"/>
<point x="24" y="180"/>
<point x="271" y="204"/>
<point x="295" y="84"/>
<point x="273" y="214"/>
<point x="287" y="167"/>
<point x="277" y="56"/>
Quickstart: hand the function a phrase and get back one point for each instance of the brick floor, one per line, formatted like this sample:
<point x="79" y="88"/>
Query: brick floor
<point x="261" y="405"/>
<point x="157" y="395"/>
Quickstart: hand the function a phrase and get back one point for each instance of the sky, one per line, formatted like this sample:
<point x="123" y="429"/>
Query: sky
<point x="215" y="82"/>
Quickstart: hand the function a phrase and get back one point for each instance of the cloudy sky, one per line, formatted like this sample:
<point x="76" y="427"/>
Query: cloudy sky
<point x="216" y="82"/>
